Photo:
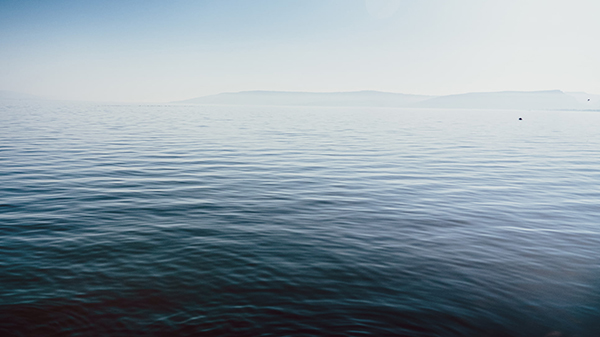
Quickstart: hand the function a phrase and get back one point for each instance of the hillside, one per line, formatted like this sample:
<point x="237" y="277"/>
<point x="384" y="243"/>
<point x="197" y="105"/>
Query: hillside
<point x="357" y="98"/>
<point x="543" y="100"/>
<point x="523" y="100"/>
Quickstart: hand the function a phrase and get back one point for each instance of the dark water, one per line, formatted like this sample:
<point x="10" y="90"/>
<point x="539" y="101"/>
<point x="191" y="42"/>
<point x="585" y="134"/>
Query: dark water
<point x="229" y="221"/>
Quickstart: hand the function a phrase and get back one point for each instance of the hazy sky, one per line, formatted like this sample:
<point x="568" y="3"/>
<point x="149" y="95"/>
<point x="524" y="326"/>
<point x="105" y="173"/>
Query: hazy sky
<point x="156" y="51"/>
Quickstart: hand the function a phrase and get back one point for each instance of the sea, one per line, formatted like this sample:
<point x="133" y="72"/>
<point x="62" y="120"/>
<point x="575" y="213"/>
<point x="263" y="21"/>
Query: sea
<point x="191" y="220"/>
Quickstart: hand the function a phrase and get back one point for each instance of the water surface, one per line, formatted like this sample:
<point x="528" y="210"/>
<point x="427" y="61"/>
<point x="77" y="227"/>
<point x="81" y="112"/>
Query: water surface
<point x="164" y="220"/>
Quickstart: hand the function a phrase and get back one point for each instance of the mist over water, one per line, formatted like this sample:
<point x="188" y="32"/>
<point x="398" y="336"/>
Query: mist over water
<point x="188" y="220"/>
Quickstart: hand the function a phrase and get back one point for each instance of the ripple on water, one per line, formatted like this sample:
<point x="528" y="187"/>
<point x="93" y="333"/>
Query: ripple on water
<point x="186" y="220"/>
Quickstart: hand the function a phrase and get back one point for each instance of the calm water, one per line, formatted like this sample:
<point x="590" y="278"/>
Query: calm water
<point x="190" y="220"/>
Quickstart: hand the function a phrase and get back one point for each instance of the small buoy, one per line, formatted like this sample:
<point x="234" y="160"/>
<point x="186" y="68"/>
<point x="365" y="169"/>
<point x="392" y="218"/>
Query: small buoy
<point x="520" y="118"/>
<point x="588" y="99"/>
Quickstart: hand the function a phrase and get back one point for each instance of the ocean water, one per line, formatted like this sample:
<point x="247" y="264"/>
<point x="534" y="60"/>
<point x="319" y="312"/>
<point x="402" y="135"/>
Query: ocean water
<point x="174" y="220"/>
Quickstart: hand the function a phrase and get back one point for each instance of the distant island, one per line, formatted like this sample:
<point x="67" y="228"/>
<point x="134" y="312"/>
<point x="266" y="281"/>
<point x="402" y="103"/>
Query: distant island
<point x="522" y="100"/>
<point x="352" y="98"/>
<point x="527" y="100"/>
<point x="511" y="100"/>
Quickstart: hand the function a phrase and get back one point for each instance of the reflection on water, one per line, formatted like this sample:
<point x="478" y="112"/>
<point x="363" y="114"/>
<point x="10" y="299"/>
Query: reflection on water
<point x="186" y="220"/>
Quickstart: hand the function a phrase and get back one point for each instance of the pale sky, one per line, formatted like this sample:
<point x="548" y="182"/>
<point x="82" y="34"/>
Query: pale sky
<point x="158" y="51"/>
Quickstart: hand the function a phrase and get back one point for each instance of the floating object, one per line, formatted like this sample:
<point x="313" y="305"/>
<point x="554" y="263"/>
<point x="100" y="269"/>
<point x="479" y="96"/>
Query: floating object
<point x="520" y="118"/>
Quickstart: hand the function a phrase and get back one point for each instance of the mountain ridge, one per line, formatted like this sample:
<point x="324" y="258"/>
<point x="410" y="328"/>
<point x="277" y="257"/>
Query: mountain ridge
<point x="543" y="99"/>
<point x="528" y="100"/>
<point x="539" y="99"/>
<point x="301" y="98"/>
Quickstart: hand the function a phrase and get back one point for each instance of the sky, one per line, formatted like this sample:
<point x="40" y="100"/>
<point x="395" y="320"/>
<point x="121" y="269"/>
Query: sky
<point x="161" y="51"/>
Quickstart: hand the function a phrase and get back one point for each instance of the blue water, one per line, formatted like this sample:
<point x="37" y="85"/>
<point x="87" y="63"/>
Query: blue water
<point x="167" y="220"/>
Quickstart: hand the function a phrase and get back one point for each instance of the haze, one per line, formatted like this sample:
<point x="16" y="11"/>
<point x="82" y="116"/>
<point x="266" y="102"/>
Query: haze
<point x="154" y="51"/>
